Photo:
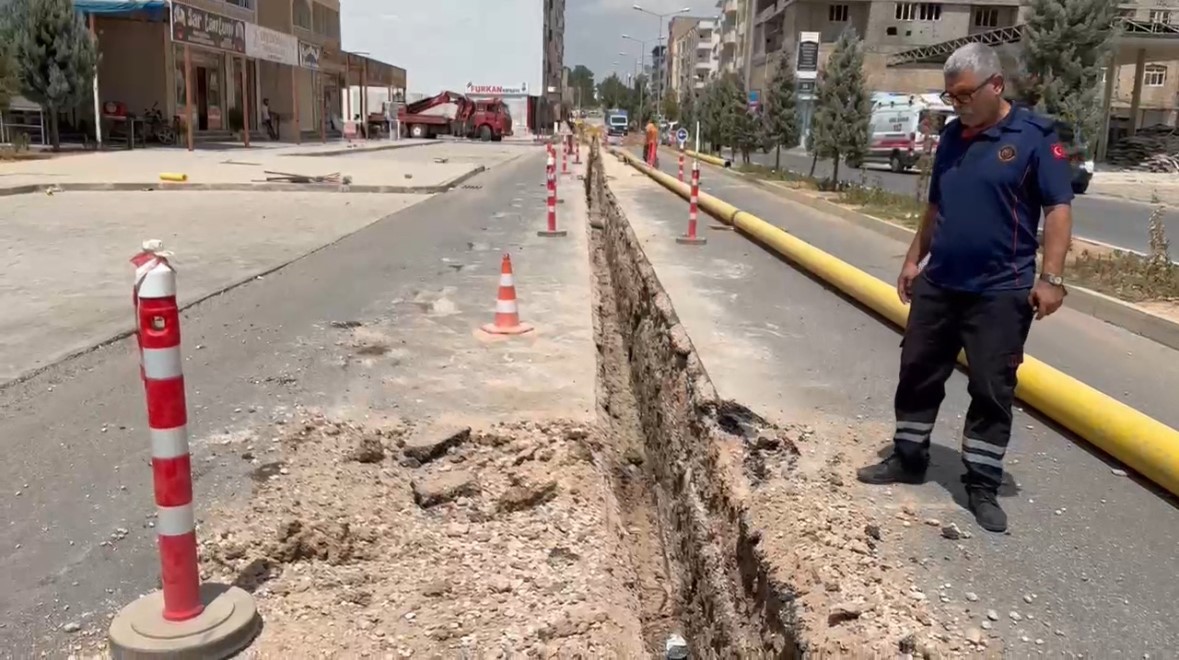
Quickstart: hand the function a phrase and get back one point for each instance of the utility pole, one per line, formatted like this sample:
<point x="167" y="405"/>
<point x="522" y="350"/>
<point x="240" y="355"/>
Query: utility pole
<point x="661" y="88"/>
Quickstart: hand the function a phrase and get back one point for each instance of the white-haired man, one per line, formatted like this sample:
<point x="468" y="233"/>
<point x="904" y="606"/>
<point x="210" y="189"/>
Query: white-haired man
<point x="997" y="168"/>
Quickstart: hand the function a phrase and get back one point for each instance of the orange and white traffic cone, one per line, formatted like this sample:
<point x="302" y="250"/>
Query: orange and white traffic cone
<point x="507" y="314"/>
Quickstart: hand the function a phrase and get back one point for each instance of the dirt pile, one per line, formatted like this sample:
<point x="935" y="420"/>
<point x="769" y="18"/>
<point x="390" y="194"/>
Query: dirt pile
<point x="432" y="542"/>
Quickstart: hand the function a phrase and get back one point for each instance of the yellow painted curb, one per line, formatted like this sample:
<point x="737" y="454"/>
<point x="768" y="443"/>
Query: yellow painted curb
<point x="1141" y="442"/>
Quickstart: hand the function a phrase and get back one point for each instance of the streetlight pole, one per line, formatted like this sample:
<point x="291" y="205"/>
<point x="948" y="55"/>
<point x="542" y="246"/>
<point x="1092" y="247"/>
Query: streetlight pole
<point x="662" y="88"/>
<point x="641" y="63"/>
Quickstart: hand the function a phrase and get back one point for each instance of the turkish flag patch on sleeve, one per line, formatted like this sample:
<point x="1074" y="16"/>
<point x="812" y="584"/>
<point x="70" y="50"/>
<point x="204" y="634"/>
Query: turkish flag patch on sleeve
<point x="1058" y="152"/>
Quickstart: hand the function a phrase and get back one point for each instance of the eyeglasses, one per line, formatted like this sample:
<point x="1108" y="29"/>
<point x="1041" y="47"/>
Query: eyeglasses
<point x="963" y="98"/>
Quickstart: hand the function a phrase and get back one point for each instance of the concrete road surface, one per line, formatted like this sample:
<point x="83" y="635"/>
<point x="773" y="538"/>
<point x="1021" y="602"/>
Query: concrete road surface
<point x="1117" y="222"/>
<point x="76" y="537"/>
<point x="1089" y="563"/>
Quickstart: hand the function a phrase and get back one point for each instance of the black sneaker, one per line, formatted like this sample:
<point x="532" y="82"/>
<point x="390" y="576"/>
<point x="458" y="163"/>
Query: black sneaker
<point x="891" y="470"/>
<point x="985" y="505"/>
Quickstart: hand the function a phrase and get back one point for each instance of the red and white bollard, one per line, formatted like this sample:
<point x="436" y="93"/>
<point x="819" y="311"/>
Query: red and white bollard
<point x="681" y="165"/>
<point x="551" y="230"/>
<point x="185" y="617"/>
<point x="565" y="161"/>
<point x="693" y="211"/>
<point x="576" y="153"/>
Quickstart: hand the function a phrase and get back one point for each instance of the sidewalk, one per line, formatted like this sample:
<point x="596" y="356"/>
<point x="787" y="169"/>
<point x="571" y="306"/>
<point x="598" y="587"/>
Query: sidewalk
<point x="403" y="165"/>
<point x="1081" y="569"/>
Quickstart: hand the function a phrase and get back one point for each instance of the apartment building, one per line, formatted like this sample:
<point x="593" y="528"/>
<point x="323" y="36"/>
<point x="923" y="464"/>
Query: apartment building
<point x="691" y="61"/>
<point x="1159" y="97"/>
<point x="735" y="25"/>
<point x="554" y="60"/>
<point x="658" y="73"/>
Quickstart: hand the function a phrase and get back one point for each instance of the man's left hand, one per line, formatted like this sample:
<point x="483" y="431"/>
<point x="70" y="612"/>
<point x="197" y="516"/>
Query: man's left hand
<point x="1046" y="298"/>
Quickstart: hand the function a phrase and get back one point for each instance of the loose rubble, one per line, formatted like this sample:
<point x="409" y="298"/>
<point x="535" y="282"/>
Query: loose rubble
<point x="496" y="543"/>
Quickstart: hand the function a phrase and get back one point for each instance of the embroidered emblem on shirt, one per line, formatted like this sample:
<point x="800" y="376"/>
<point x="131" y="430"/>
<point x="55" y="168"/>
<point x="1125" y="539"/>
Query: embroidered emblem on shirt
<point x="1058" y="151"/>
<point x="1006" y="154"/>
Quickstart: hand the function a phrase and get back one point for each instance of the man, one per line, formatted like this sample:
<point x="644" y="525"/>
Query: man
<point x="652" y="144"/>
<point x="996" y="168"/>
<point x="268" y="120"/>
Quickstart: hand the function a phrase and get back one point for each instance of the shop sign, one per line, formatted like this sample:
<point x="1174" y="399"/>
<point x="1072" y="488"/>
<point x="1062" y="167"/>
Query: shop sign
<point x="497" y="90"/>
<point x="808" y="54"/>
<point x="271" y="45"/>
<point x="309" y="55"/>
<point x="195" y="26"/>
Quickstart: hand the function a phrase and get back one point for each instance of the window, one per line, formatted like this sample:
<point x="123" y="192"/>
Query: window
<point x="919" y="11"/>
<point x="1155" y="76"/>
<point x="244" y="4"/>
<point x="1160" y="16"/>
<point x="986" y="17"/>
<point x="302" y="14"/>
<point x="326" y="20"/>
<point x="837" y="13"/>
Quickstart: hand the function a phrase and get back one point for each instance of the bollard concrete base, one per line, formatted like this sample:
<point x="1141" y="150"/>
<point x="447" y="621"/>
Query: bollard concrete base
<point x="688" y="240"/>
<point x="226" y="627"/>
<point x="560" y="233"/>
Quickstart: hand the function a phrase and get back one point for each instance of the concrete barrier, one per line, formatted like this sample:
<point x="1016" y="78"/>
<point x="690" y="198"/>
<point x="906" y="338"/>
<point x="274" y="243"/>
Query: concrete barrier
<point x="1141" y="442"/>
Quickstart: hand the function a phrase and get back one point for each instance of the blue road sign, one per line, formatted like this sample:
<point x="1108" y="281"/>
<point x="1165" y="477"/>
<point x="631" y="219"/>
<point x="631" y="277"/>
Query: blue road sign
<point x="682" y="135"/>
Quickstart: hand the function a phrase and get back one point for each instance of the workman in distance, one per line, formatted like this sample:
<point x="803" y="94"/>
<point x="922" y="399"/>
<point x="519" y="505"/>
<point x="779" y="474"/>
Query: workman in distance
<point x="652" y="146"/>
<point x="996" y="169"/>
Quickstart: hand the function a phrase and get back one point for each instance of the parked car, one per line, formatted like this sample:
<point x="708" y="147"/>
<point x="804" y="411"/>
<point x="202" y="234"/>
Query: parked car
<point x="1078" y="155"/>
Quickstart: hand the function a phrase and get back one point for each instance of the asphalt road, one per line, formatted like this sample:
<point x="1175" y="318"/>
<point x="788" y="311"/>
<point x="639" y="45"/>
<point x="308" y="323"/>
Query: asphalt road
<point x="1116" y="222"/>
<point x="1093" y="551"/>
<point x="76" y="541"/>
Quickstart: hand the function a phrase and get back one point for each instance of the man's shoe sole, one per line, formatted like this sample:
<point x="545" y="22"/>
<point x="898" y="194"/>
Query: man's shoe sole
<point x="915" y="479"/>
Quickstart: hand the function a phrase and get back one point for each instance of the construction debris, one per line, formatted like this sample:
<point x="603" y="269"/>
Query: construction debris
<point x="1152" y="149"/>
<point x="287" y="177"/>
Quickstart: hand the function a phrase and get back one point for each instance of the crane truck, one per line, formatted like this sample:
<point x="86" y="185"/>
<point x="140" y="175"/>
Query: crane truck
<point x="484" y="119"/>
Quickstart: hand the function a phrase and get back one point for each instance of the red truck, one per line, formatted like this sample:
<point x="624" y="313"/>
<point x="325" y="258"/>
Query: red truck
<point x="487" y="120"/>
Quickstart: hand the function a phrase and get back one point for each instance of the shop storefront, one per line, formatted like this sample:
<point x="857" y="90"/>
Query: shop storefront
<point x="204" y="46"/>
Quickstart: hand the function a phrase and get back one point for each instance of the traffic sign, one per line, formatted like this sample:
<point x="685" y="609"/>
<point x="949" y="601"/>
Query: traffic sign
<point x="681" y="136"/>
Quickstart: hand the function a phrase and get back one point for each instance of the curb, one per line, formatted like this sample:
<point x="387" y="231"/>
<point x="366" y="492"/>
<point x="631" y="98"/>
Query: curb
<point x="1086" y="301"/>
<point x="358" y="150"/>
<point x="157" y="186"/>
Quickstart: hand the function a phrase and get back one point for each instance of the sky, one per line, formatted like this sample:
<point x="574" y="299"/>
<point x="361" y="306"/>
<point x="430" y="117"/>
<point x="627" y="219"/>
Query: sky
<point x="594" y="29"/>
<point x="445" y="44"/>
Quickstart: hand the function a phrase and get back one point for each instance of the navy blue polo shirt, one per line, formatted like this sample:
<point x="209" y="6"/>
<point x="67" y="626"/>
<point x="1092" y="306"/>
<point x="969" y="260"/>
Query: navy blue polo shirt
<point x="990" y="189"/>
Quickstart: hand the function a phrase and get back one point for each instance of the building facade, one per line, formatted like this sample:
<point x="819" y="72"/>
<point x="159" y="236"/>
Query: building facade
<point x="554" y="59"/>
<point x="735" y="27"/>
<point x="211" y="64"/>
<point x="691" y="56"/>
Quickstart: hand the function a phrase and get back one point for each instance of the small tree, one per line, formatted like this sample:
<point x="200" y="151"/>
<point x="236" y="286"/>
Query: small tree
<point x="843" y="111"/>
<point x="688" y="114"/>
<point x="710" y="115"/>
<point x="671" y="107"/>
<point x="55" y="57"/>
<point x="9" y="82"/>
<point x="732" y="113"/>
<point x="1066" y="44"/>
<point x="781" y="110"/>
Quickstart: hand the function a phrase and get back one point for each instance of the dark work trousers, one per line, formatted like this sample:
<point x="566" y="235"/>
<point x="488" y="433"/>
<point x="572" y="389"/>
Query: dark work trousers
<point x="992" y="329"/>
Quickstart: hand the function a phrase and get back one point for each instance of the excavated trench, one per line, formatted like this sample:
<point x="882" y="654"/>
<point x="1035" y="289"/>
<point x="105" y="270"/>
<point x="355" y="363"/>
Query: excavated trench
<point x="679" y="458"/>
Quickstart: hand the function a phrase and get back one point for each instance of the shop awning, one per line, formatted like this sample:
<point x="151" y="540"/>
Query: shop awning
<point x="119" y="6"/>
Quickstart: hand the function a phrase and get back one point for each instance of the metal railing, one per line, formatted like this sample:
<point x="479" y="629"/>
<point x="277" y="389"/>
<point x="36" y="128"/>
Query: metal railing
<point x="937" y="53"/>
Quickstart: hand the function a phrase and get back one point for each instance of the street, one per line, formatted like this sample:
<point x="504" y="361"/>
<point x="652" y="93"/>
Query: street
<point x="1080" y="566"/>
<point x="527" y="477"/>
<point x="1115" y="222"/>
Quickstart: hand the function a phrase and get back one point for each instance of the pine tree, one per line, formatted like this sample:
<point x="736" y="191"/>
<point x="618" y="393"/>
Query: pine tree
<point x="55" y="58"/>
<point x="688" y="114"/>
<point x="747" y="125"/>
<point x="9" y="82"/>
<point x="731" y="110"/>
<point x="781" y="110"/>
<point x="1066" y="44"/>
<point x="671" y="108"/>
<point x="843" y="110"/>
<point x="710" y="115"/>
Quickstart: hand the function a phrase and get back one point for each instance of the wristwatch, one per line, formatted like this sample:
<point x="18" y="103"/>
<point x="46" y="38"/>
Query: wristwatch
<point x="1054" y="280"/>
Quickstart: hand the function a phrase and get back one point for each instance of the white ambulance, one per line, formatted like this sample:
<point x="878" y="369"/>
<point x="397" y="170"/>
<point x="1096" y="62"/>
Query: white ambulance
<point x="900" y="125"/>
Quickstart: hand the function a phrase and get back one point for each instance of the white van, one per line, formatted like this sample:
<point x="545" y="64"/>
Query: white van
<point x="899" y="125"/>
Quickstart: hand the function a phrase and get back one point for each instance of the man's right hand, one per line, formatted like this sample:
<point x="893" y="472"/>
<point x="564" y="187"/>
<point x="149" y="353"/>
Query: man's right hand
<point x="909" y="272"/>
